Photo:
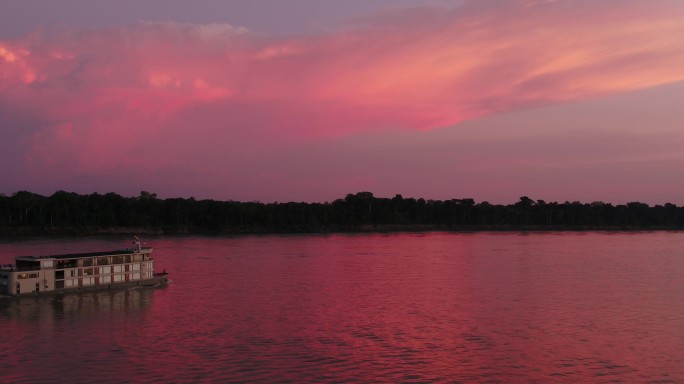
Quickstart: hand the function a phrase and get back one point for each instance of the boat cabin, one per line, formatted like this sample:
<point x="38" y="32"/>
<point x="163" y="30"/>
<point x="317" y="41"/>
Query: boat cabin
<point x="35" y="274"/>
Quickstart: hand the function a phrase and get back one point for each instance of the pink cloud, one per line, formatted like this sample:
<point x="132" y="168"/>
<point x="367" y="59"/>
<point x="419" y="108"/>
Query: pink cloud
<point x="164" y="95"/>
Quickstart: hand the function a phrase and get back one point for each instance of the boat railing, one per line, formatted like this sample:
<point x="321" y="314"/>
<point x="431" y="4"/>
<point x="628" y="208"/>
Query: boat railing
<point x="13" y="268"/>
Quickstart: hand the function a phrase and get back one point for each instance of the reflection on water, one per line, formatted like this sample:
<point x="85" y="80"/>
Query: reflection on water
<point x="76" y="305"/>
<point x="429" y="307"/>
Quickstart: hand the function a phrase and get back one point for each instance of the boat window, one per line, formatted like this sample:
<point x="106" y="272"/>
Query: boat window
<point x="61" y="264"/>
<point x="28" y="264"/>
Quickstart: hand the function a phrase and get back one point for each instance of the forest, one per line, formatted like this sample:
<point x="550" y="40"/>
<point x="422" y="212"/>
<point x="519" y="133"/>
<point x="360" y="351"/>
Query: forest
<point x="67" y="213"/>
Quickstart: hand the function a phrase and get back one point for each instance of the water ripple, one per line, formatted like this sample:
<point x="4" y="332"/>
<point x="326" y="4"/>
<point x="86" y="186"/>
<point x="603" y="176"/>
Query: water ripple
<point x="429" y="308"/>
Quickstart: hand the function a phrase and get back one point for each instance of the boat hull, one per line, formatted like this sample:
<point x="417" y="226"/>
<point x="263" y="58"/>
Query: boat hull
<point x="159" y="279"/>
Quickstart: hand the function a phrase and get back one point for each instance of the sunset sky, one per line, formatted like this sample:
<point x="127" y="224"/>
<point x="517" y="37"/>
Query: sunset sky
<point x="308" y="100"/>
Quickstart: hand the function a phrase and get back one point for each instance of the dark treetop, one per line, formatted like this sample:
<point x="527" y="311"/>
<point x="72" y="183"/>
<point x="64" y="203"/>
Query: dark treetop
<point x="65" y="213"/>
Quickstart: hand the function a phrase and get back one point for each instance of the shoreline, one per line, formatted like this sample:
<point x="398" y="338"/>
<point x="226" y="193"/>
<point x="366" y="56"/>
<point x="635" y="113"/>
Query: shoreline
<point x="15" y="233"/>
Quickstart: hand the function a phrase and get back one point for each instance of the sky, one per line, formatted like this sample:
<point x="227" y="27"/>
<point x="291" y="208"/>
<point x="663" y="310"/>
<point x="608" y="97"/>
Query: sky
<point x="309" y="100"/>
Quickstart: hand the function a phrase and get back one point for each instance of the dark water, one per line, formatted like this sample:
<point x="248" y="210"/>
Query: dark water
<point x="435" y="307"/>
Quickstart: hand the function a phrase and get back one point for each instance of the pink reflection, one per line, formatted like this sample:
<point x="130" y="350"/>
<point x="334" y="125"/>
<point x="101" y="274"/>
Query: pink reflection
<point x="437" y="307"/>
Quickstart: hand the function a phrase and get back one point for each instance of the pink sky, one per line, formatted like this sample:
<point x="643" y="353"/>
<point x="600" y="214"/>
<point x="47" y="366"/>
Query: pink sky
<point x="557" y="100"/>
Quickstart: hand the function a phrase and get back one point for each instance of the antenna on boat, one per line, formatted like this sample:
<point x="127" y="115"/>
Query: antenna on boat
<point x="136" y="242"/>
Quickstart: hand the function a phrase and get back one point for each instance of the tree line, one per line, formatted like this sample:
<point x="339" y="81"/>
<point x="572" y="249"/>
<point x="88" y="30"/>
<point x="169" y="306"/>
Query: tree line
<point x="26" y="213"/>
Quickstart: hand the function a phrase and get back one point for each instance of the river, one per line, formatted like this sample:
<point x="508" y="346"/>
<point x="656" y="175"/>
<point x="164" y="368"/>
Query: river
<point x="404" y="307"/>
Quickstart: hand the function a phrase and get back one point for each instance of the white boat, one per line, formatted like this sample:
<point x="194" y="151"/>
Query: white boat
<point x="125" y="268"/>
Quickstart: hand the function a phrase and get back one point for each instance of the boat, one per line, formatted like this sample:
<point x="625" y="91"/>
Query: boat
<point x="124" y="268"/>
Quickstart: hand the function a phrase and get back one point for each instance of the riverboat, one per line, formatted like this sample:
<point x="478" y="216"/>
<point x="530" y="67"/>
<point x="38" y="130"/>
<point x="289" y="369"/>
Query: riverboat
<point x="125" y="268"/>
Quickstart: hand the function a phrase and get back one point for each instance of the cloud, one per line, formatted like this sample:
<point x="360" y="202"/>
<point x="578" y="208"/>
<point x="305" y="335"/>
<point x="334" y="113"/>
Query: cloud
<point x="163" y="95"/>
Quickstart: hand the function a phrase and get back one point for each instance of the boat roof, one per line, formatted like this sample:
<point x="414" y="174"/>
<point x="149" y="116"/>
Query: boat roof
<point x="85" y="254"/>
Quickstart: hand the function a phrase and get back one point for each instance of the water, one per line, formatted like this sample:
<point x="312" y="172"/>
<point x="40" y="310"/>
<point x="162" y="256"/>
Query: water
<point x="432" y="307"/>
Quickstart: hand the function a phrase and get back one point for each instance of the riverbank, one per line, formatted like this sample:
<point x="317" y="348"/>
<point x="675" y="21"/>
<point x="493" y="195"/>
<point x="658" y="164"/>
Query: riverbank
<point x="68" y="214"/>
<point x="22" y="232"/>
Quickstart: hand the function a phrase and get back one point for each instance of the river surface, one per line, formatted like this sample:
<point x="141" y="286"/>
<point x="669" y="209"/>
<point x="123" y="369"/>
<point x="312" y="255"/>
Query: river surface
<point x="410" y="307"/>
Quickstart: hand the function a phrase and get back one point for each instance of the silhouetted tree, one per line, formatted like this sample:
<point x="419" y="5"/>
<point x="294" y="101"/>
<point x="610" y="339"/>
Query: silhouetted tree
<point x="66" y="212"/>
